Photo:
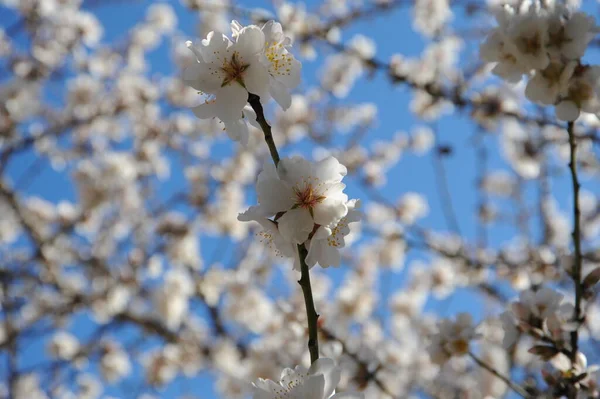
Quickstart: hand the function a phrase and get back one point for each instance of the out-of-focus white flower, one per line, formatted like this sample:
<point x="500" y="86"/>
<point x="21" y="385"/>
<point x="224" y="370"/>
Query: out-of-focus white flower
<point x="430" y="16"/>
<point x="534" y="312"/>
<point x="530" y="37"/>
<point x="581" y="94"/>
<point x="115" y="364"/>
<point x="172" y="298"/>
<point x="453" y="338"/>
<point x="547" y="84"/>
<point x="411" y="207"/>
<point x="63" y="345"/>
<point x="162" y="16"/>
<point x="318" y="382"/>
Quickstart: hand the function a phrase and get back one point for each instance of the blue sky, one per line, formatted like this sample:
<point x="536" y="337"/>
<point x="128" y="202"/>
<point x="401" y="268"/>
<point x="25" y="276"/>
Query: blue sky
<point x="393" y="34"/>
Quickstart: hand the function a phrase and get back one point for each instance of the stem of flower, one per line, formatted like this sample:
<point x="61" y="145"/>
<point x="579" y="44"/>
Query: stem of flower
<point x="311" y="314"/>
<point x="516" y="388"/>
<point x="254" y="102"/>
<point x="576" y="270"/>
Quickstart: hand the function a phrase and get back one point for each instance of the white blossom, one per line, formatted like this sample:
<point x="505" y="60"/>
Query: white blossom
<point x="302" y="194"/>
<point x="317" y="382"/>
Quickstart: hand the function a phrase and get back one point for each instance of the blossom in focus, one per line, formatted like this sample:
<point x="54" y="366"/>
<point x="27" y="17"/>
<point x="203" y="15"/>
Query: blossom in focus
<point x="318" y="382"/>
<point x="453" y="338"/>
<point x="256" y="61"/>
<point x="301" y="194"/>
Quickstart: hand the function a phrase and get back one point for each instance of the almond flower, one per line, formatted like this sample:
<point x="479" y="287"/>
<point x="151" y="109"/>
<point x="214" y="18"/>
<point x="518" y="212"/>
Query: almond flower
<point x="537" y="313"/>
<point x="453" y="338"/>
<point x="318" y="382"/>
<point x="301" y="196"/>
<point x="257" y="61"/>
<point x="228" y="70"/>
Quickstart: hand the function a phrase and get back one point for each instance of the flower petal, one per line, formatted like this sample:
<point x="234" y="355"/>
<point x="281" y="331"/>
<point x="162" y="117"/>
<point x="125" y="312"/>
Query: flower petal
<point x="250" y="41"/>
<point x="274" y="195"/>
<point x="256" y="79"/>
<point x="295" y="225"/>
<point x="230" y="102"/>
<point x="206" y="110"/>
<point x="331" y="373"/>
<point x="280" y="93"/>
<point x="237" y="130"/>
<point x="329" y="212"/>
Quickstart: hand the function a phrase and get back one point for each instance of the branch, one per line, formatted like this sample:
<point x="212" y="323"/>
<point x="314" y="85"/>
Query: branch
<point x="577" y="262"/>
<point x="311" y="313"/>
<point x="254" y="102"/>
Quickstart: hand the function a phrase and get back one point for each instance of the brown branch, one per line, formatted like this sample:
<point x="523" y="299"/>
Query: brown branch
<point x="577" y="261"/>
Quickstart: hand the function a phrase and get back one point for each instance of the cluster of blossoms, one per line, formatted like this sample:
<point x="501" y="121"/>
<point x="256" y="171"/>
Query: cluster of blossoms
<point x="545" y="317"/>
<point x="307" y="205"/>
<point x="317" y="382"/>
<point x="300" y="203"/>
<point x="546" y="41"/>
<point x="256" y="61"/>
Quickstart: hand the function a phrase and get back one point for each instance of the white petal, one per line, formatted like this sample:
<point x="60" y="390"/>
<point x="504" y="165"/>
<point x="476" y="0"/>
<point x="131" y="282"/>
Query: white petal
<point x="254" y="213"/>
<point x="313" y="387"/>
<point x="273" y="32"/>
<point x="264" y="389"/>
<point x="214" y="46"/>
<point x="322" y="253"/>
<point x="294" y="170"/>
<point x="206" y="110"/>
<point x="230" y="101"/>
<point x="250" y="116"/>
<point x="330" y="169"/>
<point x="291" y="77"/>
<point x="256" y="79"/>
<point x="237" y="130"/>
<point x="280" y="93"/>
<point x="203" y="77"/>
<point x="295" y="225"/>
<point x="329" y="212"/>
<point x="274" y="195"/>
<point x="236" y="27"/>
<point x="250" y="41"/>
<point x="330" y="372"/>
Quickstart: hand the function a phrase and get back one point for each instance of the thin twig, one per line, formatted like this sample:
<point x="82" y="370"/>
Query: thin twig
<point x="311" y="314"/>
<point x="516" y="388"/>
<point x="576" y="271"/>
<point x="254" y="102"/>
<point x="443" y="188"/>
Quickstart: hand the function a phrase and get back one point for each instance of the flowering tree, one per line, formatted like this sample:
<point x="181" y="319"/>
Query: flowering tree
<point x="207" y="199"/>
